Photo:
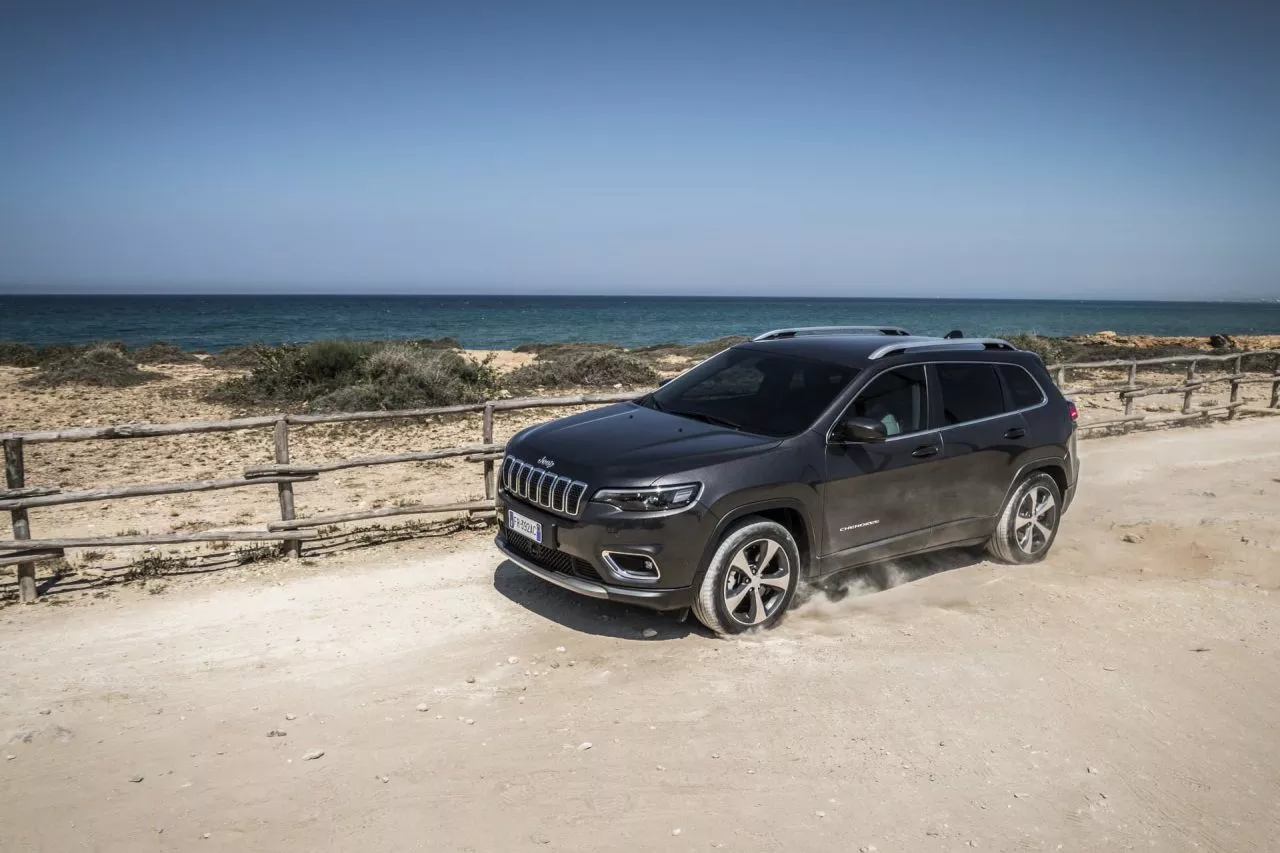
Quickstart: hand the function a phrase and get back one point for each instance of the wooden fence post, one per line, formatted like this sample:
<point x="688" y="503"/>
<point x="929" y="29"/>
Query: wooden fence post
<point x="14" y="475"/>
<point x="1186" y="395"/>
<point x="1275" y="386"/>
<point x="290" y="547"/>
<point x="1237" y="372"/>
<point x="1129" y="398"/>
<point x="486" y="437"/>
<point x="1061" y="377"/>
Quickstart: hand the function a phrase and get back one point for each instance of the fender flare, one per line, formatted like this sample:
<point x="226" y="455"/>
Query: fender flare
<point x="741" y="511"/>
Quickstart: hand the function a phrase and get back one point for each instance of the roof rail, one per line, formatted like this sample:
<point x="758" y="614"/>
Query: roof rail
<point x="832" y="330"/>
<point x="941" y="344"/>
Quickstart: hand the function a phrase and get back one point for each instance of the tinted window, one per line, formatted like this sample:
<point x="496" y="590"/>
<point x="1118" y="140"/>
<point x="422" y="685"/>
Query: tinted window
<point x="756" y="391"/>
<point x="969" y="392"/>
<point x="1023" y="390"/>
<point x="898" y="399"/>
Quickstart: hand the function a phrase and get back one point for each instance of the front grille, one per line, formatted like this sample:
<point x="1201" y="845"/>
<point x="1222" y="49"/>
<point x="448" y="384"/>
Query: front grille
<point x="540" y="487"/>
<point x="551" y="559"/>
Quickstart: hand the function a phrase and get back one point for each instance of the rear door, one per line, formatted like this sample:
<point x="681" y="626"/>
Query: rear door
<point x="883" y="490"/>
<point x="982" y="440"/>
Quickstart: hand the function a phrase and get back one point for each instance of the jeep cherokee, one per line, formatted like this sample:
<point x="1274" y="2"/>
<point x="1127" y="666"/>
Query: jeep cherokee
<point x="789" y="457"/>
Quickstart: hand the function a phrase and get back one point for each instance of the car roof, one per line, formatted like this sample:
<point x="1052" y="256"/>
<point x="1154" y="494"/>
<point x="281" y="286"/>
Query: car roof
<point x="856" y="350"/>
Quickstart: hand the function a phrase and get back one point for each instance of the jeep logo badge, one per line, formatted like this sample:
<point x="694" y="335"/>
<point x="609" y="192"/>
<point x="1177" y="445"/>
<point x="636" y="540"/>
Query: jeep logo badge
<point x="546" y="463"/>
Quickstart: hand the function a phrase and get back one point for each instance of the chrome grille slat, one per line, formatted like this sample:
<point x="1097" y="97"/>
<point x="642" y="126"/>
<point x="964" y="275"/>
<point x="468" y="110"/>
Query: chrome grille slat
<point x="543" y="488"/>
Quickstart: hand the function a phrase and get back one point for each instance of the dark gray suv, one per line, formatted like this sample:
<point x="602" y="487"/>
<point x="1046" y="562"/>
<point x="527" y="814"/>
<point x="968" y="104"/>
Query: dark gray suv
<point x="783" y="459"/>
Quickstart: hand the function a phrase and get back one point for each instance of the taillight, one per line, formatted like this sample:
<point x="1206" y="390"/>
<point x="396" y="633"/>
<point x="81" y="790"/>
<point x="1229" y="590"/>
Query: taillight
<point x="1072" y="411"/>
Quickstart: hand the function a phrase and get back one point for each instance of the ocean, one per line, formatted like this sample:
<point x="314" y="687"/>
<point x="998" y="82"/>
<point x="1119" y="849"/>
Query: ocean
<point x="212" y="323"/>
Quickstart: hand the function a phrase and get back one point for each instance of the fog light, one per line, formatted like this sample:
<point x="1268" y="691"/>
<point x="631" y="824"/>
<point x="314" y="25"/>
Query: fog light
<point x="632" y="566"/>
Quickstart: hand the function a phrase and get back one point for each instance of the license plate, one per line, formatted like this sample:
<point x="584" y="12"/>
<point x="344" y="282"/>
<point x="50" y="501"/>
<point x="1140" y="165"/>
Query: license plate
<point x="524" y="526"/>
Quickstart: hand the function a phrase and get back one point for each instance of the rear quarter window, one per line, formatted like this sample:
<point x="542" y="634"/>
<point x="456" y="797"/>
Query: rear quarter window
<point x="1024" y="391"/>
<point x="970" y="392"/>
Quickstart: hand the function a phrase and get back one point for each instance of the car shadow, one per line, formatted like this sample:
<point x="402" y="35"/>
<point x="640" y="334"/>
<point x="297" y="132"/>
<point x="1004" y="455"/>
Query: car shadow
<point x="588" y="615"/>
<point x="623" y="621"/>
<point x="879" y="577"/>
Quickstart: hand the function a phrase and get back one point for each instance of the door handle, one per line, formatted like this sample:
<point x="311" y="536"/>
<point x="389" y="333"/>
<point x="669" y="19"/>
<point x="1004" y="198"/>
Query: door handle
<point x="925" y="452"/>
<point x="1016" y="432"/>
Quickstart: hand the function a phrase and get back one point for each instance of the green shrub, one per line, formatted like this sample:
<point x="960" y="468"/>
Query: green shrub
<point x="18" y="355"/>
<point x="401" y="376"/>
<point x="602" y="369"/>
<point x="243" y="357"/>
<point x="705" y="349"/>
<point x="162" y="352"/>
<point x="360" y="376"/>
<point x="102" y="365"/>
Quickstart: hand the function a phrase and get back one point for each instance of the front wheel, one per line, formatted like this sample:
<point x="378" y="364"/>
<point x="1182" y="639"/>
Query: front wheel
<point x="1029" y="521"/>
<point x="751" y="580"/>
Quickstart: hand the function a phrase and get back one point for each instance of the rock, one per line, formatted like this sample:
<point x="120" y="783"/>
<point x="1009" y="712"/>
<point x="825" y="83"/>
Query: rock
<point x="1106" y="333"/>
<point x="44" y="712"/>
<point x="1020" y="796"/>
<point x="555" y="664"/>
<point x="275" y="733"/>
<point x="1092" y="769"/>
<point x="1131" y="538"/>
<point x="676" y="831"/>
<point x="206" y="835"/>
<point x="660" y="767"/>
<point x="10" y="757"/>
<point x="513" y="660"/>
<point x="313" y="755"/>
<point x="291" y="716"/>
<point x="1221" y="341"/>
<point x="471" y="679"/>
<point x="715" y="755"/>
<point x="584" y="746"/>
<point x="470" y="722"/>
<point x="384" y="779"/>
<point x="819" y="814"/>
<point x="135" y="779"/>
<point x="648" y="633"/>
<point x="520" y="699"/>
<point x="561" y="649"/>
<point x="422" y="706"/>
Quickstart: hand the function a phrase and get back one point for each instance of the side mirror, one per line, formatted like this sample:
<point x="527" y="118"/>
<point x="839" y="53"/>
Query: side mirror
<point x="859" y="431"/>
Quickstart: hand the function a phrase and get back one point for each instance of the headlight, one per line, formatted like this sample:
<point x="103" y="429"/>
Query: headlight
<point x="650" y="500"/>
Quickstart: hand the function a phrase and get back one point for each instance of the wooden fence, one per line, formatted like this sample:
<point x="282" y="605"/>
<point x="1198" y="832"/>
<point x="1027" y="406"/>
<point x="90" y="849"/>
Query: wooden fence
<point x="1131" y="389"/>
<point x="24" y="550"/>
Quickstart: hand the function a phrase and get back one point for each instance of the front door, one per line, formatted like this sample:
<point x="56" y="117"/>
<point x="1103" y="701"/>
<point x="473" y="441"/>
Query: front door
<point x="883" y="490"/>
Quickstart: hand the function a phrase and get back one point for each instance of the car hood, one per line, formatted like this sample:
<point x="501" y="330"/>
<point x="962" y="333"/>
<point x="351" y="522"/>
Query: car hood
<point x="630" y="445"/>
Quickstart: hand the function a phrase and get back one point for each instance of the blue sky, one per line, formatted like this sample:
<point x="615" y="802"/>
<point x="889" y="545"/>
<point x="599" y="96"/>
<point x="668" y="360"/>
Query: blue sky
<point x="1071" y="149"/>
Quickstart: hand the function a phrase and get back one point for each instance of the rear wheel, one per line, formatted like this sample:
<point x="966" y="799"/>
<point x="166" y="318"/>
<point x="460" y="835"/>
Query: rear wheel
<point x="751" y="579"/>
<point x="1029" y="521"/>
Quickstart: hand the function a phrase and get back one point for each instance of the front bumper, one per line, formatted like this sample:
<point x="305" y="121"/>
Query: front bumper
<point x="656" y="599"/>
<point x="573" y="555"/>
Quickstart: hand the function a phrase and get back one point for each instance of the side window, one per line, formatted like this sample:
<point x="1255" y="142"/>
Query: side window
<point x="897" y="398"/>
<point x="969" y="392"/>
<point x="1023" y="389"/>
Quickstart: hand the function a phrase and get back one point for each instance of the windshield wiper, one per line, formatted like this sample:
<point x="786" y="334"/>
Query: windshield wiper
<point x="709" y="419"/>
<point x="651" y="402"/>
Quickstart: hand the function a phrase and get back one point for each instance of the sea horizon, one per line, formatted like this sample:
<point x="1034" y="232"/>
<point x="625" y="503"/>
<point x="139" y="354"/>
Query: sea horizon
<point x="211" y="322"/>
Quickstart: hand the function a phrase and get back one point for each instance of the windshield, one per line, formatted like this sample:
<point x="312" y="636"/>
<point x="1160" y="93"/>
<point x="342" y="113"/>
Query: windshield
<point x="754" y="391"/>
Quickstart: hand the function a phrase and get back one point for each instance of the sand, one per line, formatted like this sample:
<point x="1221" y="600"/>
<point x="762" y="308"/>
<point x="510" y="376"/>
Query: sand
<point x="1117" y="696"/>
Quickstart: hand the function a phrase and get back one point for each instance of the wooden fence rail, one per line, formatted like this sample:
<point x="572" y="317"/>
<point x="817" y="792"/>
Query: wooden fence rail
<point x="17" y="497"/>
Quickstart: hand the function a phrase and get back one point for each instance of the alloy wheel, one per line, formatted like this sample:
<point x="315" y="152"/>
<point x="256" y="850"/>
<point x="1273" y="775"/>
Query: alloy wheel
<point x="757" y="582"/>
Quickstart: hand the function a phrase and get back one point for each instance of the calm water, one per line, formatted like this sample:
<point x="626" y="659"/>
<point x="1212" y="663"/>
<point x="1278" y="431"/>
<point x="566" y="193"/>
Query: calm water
<point x="214" y="322"/>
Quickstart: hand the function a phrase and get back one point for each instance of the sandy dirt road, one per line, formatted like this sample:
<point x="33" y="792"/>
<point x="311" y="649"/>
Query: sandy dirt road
<point x="1118" y="696"/>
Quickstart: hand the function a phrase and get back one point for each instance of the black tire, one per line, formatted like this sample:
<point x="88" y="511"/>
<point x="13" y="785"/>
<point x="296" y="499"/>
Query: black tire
<point x="1021" y="535"/>
<point x="742" y="587"/>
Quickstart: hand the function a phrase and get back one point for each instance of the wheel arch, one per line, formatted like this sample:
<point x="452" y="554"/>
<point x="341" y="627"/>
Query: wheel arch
<point x="791" y="513"/>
